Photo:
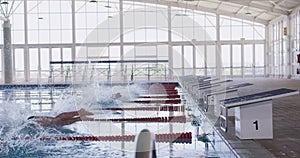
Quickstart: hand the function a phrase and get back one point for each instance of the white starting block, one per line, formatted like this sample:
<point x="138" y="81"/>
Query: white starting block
<point x="253" y="113"/>
<point x="213" y="97"/>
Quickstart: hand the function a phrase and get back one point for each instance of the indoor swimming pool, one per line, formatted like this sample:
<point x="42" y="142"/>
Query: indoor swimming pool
<point x="180" y="128"/>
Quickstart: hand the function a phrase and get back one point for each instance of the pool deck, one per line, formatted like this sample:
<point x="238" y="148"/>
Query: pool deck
<point x="286" y="126"/>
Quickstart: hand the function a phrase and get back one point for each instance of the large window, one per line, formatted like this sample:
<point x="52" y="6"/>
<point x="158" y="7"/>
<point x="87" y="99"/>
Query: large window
<point x="58" y="30"/>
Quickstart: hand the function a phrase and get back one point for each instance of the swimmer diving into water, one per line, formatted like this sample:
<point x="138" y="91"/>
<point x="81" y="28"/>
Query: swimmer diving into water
<point x="62" y="119"/>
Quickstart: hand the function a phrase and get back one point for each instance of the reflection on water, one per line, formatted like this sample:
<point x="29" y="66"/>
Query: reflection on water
<point x="22" y="138"/>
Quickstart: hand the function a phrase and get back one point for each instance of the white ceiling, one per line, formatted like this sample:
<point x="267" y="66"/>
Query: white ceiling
<point x="262" y="11"/>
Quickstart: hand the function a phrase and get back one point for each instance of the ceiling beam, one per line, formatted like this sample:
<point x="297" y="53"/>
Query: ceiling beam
<point x="268" y="9"/>
<point x="205" y="9"/>
<point x="296" y="9"/>
<point x="240" y="10"/>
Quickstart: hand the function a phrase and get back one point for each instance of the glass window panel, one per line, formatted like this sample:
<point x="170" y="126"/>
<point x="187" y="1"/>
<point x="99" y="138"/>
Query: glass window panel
<point x="55" y="21"/>
<point x="199" y="19"/>
<point x="199" y="34"/>
<point x="19" y="59"/>
<point x="259" y="54"/>
<point x="210" y="21"/>
<point x="44" y="22"/>
<point x="54" y="6"/>
<point x="45" y="59"/>
<point x="151" y="35"/>
<point x="66" y="36"/>
<point x="55" y="36"/>
<point x="19" y="37"/>
<point x="259" y="32"/>
<point x="237" y="32"/>
<point x="187" y="21"/>
<point x="236" y="71"/>
<point x="225" y="33"/>
<point x="162" y="35"/>
<point x="114" y="52"/>
<point x="103" y="35"/>
<point x="248" y="32"/>
<point x="200" y="57"/>
<point x="67" y="54"/>
<point x="188" y="57"/>
<point x="33" y="36"/>
<point x="226" y="56"/>
<point x="224" y="21"/>
<point x="80" y="21"/>
<point x="91" y="20"/>
<point x="114" y="35"/>
<point x="81" y="53"/>
<point x="162" y="20"/>
<point x="20" y="7"/>
<point x="66" y="21"/>
<point x="33" y="58"/>
<point x="211" y="56"/>
<point x="128" y="19"/>
<point x="128" y="36"/>
<point x="66" y="6"/>
<point x="211" y="33"/>
<point x="44" y="36"/>
<point x="33" y="21"/>
<point x="151" y="19"/>
<point x="18" y="22"/>
<point x="80" y="36"/>
<point x="128" y="52"/>
<point x="43" y="6"/>
<point x="94" y="52"/>
<point x="177" y="21"/>
<point x="188" y="33"/>
<point x="226" y="71"/>
<point x="145" y="51"/>
<point x="236" y="56"/>
<point x="177" y="57"/>
<point x="177" y="34"/>
<point x="248" y="55"/>
<point x="31" y="5"/>
<point x="139" y="19"/>
<point x="55" y="54"/>
<point x="140" y="35"/>
<point x="162" y="51"/>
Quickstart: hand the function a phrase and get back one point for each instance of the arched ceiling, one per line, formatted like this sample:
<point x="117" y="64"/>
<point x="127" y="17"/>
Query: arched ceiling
<point x="262" y="11"/>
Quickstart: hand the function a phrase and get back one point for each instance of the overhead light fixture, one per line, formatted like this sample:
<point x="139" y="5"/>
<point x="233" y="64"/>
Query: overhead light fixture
<point x="109" y="17"/>
<point x="181" y="14"/>
<point x="93" y="1"/>
<point x="107" y="6"/>
<point x="40" y="18"/>
<point x="4" y="2"/>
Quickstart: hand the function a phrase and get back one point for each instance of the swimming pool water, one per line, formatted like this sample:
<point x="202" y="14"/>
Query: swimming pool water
<point x="20" y="138"/>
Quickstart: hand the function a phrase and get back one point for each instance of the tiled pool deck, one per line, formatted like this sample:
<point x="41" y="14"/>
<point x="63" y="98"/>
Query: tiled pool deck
<point x="286" y="126"/>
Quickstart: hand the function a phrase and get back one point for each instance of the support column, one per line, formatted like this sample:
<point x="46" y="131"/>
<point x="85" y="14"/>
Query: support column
<point x="267" y="53"/>
<point x="8" y="77"/>
<point x="26" y="49"/>
<point x="218" y="49"/>
<point x="123" y="68"/>
<point x="170" y="46"/>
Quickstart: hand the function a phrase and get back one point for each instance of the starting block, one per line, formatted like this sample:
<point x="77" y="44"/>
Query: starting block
<point x="253" y="113"/>
<point x="213" y="97"/>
